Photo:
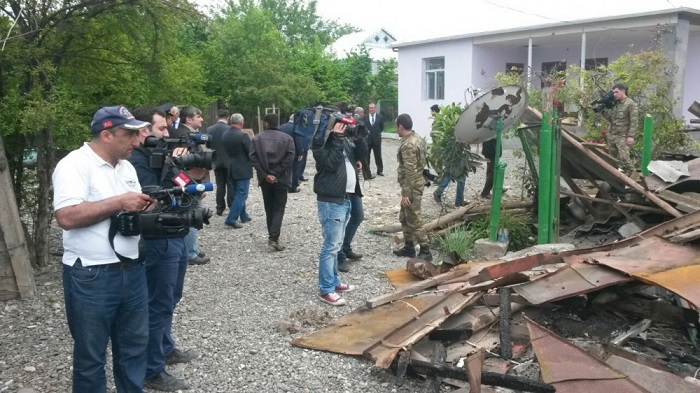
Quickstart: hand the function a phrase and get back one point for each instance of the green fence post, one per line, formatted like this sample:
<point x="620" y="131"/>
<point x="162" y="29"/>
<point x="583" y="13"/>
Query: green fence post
<point x="646" y="147"/>
<point x="496" y="200"/>
<point x="554" y="178"/>
<point x="499" y="136"/>
<point x="544" y="186"/>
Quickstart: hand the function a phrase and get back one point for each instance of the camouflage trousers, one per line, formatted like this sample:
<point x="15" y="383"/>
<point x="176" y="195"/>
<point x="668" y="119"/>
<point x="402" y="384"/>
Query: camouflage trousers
<point x="411" y="223"/>
<point x="617" y="144"/>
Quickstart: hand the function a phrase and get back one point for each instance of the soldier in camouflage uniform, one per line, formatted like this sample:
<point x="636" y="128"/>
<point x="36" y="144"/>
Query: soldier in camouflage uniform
<point x="411" y="159"/>
<point x="623" y="127"/>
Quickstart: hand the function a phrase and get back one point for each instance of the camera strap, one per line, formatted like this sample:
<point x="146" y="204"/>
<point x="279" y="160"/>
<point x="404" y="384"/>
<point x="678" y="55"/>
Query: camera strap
<point x="111" y="234"/>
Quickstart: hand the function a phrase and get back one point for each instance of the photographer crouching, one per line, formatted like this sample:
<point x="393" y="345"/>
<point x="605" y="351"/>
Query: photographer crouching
<point x="163" y="242"/>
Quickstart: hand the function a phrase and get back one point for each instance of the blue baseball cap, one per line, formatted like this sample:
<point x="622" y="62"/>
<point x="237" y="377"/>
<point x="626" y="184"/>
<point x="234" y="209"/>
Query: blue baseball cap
<point x="115" y="116"/>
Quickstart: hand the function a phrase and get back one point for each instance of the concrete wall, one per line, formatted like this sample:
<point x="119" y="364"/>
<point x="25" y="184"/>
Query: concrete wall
<point x="692" y="87"/>
<point x="458" y="70"/>
<point x="488" y="61"/>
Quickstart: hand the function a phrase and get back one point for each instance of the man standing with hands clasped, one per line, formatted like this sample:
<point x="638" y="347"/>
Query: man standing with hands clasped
<point x="624" y="121"/>
<point x="411" y="159"/>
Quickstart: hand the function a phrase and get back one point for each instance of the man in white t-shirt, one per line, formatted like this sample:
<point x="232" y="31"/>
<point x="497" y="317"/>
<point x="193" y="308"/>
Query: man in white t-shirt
<point x="104" y="283"/>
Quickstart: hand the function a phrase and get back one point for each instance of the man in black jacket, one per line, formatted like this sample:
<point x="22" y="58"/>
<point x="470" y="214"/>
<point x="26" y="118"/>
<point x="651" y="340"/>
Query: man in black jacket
<point x="375" y="125"/>
<point x="224" y="187"/>
<point x="272" y="155"/>
<point x="336" y="181"/>
<point x="240" y="170"/>
<point x="166" y="265"/>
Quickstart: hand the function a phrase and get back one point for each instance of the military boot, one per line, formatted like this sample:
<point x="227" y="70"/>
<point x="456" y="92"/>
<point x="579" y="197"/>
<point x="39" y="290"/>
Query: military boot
<point x="408" y="250"/>
<point x="425" y="254"/>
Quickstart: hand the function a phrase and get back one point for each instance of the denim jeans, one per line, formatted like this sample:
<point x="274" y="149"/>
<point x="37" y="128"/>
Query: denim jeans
<point x="166" y="265"/>
<point x="459" y="193"/>
<point x="191" y="243"/>
<point x="357" y="215"/>
<point x="103" y="303"/>
<point x="333" y="217"/>
<point x="237" y="212"/>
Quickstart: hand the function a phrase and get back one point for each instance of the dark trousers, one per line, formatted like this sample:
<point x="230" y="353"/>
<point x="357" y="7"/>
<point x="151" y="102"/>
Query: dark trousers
<point x="298" y="170"/>
<point x="376" y="147"/>
<point x="224" y="189"/>
<point x="166" y="265"/>
<point x="488" y="185"/>
<point x="357" y="215"/>
<point x="275" y="201"/>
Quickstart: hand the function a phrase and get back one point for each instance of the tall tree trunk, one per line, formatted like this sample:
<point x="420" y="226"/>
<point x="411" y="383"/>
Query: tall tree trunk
<point x="42" y="223"/>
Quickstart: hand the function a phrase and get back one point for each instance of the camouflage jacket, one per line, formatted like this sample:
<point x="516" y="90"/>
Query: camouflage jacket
<point x="411" y="158"/>
<point x="624" y="118"/>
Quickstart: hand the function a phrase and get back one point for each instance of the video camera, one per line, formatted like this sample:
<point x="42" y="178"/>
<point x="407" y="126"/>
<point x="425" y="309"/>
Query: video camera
<point x="606" y="101"/>
<point x="163" y="147"/>
<point x="178" y="211"/>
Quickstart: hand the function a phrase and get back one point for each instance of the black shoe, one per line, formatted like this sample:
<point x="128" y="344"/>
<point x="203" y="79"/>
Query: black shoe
<point x="178" y="356"/>
<point x="408" y="250"/>
<point x="437" y="196"/>
<point x="343" y="265"/>
<point x="220" y="212"/>
<point x="486" y="196"/>
<point x="247" y="219"/>
<point x="425" y="254"/>
<point x="294" y="190"/>
<point x="202" y="254"/>
<point x="380" y="173"/>
<point x="199" y="260"/>
<point x="276" y="245"/>
<point x="234" y="225"/>
<point x="352" y="255"/>
<point x="166" y="383"/>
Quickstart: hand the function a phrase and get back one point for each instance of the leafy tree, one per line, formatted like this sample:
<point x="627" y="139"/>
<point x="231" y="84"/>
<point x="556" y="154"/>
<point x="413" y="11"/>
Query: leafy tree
<point x="445" y="153"/>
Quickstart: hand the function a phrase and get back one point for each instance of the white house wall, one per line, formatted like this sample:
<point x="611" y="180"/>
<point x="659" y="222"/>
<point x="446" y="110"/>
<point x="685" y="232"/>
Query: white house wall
<point x="692" y="75"/>
<point x="491" y="60"/>
<point x="458" y="71"/>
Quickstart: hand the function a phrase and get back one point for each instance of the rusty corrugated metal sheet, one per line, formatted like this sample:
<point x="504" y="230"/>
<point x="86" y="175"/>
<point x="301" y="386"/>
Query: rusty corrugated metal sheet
<point x="652" y="379"/>
<point x="572" y="370"/>
<point x="568" y="281"/>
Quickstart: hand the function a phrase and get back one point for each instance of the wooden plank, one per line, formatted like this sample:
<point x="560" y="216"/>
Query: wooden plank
<point x="415" y="288"/>
<point x="621" y="204"/>
<point x="684" y="203"/>
<point x="686" y="237"/>
<point x="631" y="332"/>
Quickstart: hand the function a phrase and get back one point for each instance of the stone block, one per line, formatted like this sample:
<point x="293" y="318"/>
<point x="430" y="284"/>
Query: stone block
<point x="486" y="249"/>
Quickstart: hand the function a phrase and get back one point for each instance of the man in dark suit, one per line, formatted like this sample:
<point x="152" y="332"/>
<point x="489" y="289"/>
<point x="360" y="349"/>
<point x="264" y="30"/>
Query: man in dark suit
<point x="224" y="188"/>
<point x="375" y="125"/>
<point x="240" y="170"/>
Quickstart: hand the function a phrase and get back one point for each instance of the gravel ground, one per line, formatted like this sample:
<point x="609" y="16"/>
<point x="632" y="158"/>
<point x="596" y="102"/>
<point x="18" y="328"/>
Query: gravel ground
<point x="232" y="307"/>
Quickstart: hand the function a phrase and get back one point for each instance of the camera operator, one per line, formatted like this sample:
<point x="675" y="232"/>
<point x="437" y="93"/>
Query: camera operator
<point x="166" y="264"/>
<point x="103" y="282"/>
<point x="335" y="183"/>
<point x="623" y="127"/>
<point x="190" y="122"/>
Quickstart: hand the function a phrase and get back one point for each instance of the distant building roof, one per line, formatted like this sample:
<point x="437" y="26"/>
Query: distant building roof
<point x="377" y="43"/>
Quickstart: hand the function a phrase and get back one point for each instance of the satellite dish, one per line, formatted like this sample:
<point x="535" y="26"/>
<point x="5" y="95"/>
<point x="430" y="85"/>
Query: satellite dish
<point x="477" y="123"/>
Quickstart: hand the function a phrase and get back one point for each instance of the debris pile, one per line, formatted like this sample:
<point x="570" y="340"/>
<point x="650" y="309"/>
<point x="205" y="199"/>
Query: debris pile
<point x="620" y="316"/>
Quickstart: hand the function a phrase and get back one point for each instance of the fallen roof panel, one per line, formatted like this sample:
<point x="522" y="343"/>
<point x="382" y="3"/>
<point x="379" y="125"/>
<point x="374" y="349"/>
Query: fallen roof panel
<point x="572" y="370"/>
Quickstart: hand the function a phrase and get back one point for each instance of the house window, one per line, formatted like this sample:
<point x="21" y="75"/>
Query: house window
<point x="552" y="68"/>
<point x="593" y="64"/>
<point x="515" y="67"/>
<point x="435" y="78"/>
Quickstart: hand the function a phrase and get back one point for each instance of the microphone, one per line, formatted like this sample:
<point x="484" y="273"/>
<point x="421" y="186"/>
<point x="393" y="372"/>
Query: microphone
<point x="195" y="188"/>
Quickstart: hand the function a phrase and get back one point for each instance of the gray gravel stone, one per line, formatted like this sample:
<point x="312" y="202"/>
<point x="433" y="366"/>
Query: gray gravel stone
<point x="233" y="307"/>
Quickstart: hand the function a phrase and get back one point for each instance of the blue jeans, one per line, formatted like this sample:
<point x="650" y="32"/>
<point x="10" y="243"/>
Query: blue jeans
<point x="357" y="215"/>
<point x="166" y="265"/>
<point x="103" y="303"/>
<point x="191" y="243"/>
<point x="333" y="217"/>
<point x="459" y="193"/>
<point x="237" y="211"/>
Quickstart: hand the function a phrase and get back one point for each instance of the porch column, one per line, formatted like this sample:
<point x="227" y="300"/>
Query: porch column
<point x="529" y="62"/>
<point x="676" y="46"/>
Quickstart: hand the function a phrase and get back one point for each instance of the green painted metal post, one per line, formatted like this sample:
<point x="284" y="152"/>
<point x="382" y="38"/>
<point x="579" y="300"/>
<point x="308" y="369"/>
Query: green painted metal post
<point x="554" y="177"/>
<point x="646" y="147"/>
<point x="544" y="187"/>
<point x="499" y="135"/>
<point x="496" y="200"/>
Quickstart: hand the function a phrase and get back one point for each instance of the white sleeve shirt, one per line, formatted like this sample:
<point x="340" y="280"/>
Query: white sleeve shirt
<point x="83" y="176"/>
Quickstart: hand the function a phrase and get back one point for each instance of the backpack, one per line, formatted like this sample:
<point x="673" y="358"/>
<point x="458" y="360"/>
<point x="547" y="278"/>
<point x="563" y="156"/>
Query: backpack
<point x="308" y="122"/>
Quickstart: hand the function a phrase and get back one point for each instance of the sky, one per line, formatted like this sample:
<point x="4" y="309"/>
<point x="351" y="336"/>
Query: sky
<point x="411" y="20"/>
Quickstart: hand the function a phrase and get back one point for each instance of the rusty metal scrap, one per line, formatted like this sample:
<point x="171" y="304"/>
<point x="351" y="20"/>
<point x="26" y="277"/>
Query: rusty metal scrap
<point x="572" y="370"/>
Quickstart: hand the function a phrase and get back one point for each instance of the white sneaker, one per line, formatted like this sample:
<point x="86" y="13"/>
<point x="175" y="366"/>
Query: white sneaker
<point x="333" y="299"/>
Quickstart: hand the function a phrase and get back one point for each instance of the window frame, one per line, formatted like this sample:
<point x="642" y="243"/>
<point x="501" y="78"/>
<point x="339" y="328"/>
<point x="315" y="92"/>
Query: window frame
<point x="434" y="79"/>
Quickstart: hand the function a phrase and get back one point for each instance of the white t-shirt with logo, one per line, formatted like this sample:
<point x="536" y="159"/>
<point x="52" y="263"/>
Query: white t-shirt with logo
<point x="83" y="176"/>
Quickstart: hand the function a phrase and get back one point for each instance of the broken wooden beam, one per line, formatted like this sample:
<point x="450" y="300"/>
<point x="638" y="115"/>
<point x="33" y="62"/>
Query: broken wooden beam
<point x="506" y="344"/>
<point x="620" y="176"/>
<point x="514" y="382"/>
<point x="621" y="204"/>
<point x="433" y="380"/>
<point x="415" y="288"/>
<point x="635" y="330"/>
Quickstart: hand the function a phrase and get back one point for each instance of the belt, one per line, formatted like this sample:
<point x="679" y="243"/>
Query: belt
<point x="348" y="195"/>
<point x="109" y="266"/>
